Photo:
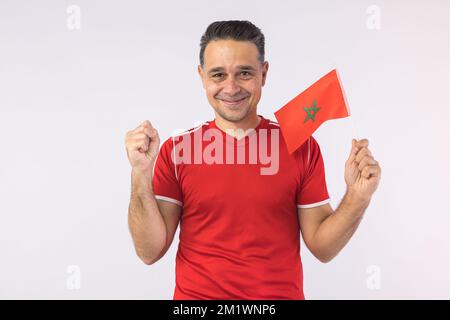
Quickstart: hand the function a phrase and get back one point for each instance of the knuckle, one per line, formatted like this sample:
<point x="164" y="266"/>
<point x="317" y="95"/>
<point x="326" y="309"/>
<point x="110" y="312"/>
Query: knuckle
<point x="147" y="124"/>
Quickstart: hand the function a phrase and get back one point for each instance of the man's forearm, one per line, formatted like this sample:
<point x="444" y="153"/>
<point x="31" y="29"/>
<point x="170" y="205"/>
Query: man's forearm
<point x="145" y="221"/>
<point x="337" y="229"/>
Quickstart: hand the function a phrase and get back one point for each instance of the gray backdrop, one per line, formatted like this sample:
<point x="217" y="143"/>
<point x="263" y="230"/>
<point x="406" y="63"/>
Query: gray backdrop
<point x="76" y="75"/>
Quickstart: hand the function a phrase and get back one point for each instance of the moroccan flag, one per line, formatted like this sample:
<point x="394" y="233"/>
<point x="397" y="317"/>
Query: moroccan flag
<point x="300" y="117"/>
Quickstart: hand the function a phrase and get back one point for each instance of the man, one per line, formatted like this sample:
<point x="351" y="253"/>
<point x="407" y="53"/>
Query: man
<point x="239" y="228"/>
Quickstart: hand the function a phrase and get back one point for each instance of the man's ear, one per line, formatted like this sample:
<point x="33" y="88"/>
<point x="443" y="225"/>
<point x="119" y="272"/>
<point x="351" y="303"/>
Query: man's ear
<point x="264" y="72"/>
<point x="200" y="73"/>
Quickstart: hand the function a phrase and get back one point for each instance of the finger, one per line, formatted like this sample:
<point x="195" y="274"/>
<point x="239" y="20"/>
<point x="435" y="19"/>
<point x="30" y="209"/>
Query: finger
<point x="156" y="135"/>
<point x="131" y="136"/>
<point x="141" y="136"/>
<point x="142" y="126"/>
<point x="147" y="132"/>
<point x="362" y="153"/>
<point x="363" y="143"/>
<point x="367" y="160"/>
<point x="152" y="133"/>
<point x="147" y="124"/>
<point x="138" y="140"/>
<point x="353" y="152"/>
<point x="371" y="171"/>
<point x="141" y="146"/>
<point x="154" y="147"/>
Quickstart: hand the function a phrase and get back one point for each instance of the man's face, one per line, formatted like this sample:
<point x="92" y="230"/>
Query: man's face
<point x="233" y="76"/>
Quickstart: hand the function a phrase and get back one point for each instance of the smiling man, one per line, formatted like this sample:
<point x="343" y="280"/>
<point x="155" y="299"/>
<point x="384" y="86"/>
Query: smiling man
<point x="239" y="228"/>
<point x="233" y="74"/>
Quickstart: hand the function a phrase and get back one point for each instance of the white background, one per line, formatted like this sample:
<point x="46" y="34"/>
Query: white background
<point x="67" y="98"/>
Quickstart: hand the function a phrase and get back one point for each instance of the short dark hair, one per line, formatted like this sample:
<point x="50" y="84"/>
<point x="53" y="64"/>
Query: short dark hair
<point x="239" y="30"/>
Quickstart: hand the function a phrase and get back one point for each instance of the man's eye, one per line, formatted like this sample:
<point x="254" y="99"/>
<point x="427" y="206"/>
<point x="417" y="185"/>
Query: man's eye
<point x="246" y="74"/>
<point x="217" y="75"/>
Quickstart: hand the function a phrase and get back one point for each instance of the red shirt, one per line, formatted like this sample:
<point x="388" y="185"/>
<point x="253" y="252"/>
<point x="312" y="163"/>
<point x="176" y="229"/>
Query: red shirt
<point x="239" y="229"/>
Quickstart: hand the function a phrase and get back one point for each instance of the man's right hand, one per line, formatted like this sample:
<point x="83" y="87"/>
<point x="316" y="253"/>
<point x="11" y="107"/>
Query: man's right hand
<point x="142" y="146"/>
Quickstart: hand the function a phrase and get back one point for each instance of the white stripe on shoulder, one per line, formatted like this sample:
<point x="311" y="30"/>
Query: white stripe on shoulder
<point x="174" y="159"/>
<point x="312" y="205"/>
<point x="189" y="130"/>
<point x="163" y="198"/>
<point x="274" y="123"/>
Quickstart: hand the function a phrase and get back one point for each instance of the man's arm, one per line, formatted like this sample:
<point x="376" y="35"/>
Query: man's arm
<point x="325" y="231"/>
<point x="152" y="222"/>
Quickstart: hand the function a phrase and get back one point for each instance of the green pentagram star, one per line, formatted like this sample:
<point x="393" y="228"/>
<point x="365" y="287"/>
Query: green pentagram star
<point x="311" y="112"/>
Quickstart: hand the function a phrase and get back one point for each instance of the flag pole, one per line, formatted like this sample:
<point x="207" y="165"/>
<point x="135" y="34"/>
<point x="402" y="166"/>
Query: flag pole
<point x="352" y="123"/>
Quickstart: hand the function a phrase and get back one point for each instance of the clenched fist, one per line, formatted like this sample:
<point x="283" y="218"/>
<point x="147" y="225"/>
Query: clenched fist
<point x="142" y="146"/>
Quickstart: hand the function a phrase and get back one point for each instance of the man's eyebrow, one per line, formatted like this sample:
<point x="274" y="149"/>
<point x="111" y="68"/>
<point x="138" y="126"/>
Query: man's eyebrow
<point x="216" y="69"/>
<point x="246" y="68"/>
<point x="240" y="67"/>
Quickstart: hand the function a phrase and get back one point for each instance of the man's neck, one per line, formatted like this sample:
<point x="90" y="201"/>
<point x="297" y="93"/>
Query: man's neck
<point x="238" y="129"/>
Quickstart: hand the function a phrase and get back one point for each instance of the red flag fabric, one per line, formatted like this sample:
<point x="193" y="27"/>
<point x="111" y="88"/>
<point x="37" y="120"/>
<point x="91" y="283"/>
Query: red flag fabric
<point x="322" y="101"/>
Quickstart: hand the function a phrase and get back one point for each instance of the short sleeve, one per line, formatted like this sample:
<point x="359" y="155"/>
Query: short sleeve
<point x="165" y="180"/>
<point x="313" y="191"/>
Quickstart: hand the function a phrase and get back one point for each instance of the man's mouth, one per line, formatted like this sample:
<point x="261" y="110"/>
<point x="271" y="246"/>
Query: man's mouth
<point x="233" y="102"/>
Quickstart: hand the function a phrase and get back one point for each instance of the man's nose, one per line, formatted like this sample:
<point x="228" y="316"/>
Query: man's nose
<point x="231" y="87"/>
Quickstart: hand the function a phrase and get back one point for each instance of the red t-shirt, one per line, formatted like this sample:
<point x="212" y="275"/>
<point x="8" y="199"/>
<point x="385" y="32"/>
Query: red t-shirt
<point x="239" y="229"/>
